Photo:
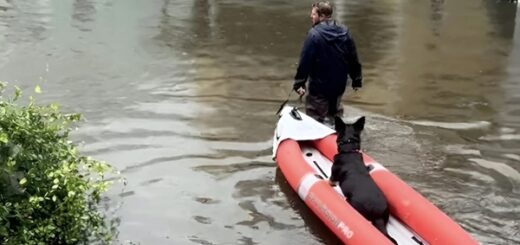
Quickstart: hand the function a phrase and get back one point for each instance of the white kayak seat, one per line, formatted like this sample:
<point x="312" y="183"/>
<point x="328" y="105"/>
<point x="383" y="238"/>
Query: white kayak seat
<point x="289" y="127"/>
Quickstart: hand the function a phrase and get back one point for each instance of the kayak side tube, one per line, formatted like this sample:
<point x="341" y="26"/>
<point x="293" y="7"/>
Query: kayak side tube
<point x="406" y="204"/>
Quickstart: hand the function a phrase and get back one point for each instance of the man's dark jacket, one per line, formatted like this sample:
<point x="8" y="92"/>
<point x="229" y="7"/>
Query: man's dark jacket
<point x="327" y="58"/>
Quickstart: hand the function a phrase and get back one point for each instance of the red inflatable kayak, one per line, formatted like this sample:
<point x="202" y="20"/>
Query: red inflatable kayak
<point x="303" y="149"/>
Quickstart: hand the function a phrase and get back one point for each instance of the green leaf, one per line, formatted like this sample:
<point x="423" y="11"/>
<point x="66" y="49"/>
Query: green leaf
<point x="54" y="106"/>
<point x="71" y="193"/>
<point x="23" y="181"/>
<point x="37" y="89"/>
<point x="3" y="138"/>
<point x="18" y="93"/>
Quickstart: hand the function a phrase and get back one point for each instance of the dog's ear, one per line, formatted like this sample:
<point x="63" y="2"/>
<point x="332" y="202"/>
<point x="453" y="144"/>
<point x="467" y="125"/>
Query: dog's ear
<point x="339" y="125"/>
<point x="359" y="124"/>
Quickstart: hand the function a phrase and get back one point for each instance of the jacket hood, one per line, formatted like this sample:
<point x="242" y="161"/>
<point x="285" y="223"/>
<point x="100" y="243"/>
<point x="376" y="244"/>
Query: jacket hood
<point x="330" y="31"/>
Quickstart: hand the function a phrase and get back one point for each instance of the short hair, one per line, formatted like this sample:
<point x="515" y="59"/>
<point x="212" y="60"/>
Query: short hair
<point x="323" y="8"/>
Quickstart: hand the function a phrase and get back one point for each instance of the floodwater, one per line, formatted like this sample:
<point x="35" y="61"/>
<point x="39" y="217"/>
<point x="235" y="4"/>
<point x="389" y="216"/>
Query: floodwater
<point x="180" y="97"/>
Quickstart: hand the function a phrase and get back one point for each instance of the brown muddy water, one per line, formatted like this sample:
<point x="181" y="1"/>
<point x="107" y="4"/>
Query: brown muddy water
<point x="179" y="96"/>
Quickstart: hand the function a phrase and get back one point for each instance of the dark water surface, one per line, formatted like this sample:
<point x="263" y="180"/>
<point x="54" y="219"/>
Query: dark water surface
<point x="180" y="96"/>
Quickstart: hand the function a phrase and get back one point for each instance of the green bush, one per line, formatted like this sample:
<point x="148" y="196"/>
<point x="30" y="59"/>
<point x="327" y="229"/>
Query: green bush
<point x="49" y="192"/>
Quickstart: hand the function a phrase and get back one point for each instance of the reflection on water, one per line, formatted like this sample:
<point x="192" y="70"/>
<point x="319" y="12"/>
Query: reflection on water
<point x="180" y="97"/>
<point x="83" y="11"/>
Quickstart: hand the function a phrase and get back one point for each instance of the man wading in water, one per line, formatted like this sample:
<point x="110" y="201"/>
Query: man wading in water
<point x="328" y="57"/>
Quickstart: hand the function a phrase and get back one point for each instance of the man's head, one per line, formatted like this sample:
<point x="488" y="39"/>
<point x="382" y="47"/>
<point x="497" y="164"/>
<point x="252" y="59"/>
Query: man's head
<point x="321" y="11"/>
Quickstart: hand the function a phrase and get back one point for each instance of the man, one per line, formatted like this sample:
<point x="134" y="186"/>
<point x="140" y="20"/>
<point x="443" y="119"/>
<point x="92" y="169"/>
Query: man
<point x="328" y="57"/>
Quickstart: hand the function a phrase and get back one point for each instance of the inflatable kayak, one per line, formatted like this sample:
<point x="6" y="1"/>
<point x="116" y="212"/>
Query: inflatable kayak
<point x="303" y="149"/>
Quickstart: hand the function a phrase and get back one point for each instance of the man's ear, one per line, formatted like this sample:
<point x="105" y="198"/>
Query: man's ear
<point x="359" y="125"/>
<point x="339" y="125"/>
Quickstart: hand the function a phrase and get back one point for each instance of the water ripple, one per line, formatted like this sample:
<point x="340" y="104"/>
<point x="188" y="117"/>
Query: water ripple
<point x="453" y="125"/>
<point x="499" y="167"/>
<point x="502" y="137"/>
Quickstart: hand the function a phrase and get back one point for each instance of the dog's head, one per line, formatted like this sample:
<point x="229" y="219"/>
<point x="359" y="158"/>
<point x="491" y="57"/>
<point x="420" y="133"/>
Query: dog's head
<point x="349" y="135"/>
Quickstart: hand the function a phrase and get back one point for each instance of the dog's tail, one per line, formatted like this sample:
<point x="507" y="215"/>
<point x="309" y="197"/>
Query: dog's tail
<point x="380" y="224"/>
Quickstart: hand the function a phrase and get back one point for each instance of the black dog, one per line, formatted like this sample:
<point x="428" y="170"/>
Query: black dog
<point x="356" y="184"/>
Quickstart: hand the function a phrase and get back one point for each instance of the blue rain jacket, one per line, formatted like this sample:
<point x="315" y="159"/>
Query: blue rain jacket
<point x="327" y="58"/>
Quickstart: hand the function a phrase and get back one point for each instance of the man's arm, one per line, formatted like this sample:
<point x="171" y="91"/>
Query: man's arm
<point x="354" y="67"/>
<point x="305" y="65"/>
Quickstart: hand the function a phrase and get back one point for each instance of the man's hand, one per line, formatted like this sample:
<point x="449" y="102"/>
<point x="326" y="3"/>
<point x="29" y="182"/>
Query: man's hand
<point x="300" y="91"/>
<point x="357" y="83"/>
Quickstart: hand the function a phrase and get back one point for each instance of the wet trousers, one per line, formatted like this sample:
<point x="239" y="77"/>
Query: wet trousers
<point x="323" y="109"/>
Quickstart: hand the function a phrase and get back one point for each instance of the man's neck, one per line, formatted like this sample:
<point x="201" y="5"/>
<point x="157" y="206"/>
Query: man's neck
<point x="327" y="21"/>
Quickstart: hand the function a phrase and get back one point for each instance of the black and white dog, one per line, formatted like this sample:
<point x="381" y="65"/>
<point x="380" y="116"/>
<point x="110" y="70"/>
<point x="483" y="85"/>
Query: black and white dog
<point x="356" y="184"/>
